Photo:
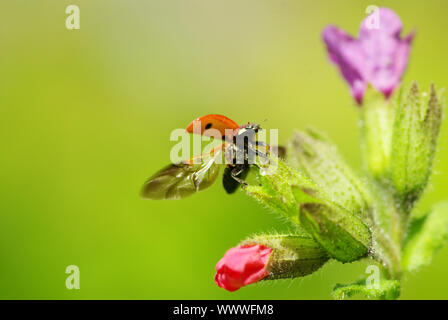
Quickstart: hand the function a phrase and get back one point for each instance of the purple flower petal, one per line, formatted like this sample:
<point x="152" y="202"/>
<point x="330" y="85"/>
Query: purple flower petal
<point x="345" y="51"/>
<point x="379" y="56"/>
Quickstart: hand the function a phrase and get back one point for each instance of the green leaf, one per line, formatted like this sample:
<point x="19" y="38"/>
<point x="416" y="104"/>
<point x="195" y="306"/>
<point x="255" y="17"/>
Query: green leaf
<point x="426" y="236"/>
<point x="384" y="290"/>
<point x="416" y="128"/>
<point x="320" y="160"/>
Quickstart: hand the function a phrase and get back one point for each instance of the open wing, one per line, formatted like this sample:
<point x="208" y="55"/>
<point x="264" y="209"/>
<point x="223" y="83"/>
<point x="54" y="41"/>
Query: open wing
<point x="178" y="181"/>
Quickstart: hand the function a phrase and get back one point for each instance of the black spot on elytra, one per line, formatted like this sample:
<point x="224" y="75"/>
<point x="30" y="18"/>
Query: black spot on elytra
<point x="208" y="126"/>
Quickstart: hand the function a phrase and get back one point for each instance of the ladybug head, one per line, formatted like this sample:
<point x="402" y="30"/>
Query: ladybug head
<point x="252" y="126"/>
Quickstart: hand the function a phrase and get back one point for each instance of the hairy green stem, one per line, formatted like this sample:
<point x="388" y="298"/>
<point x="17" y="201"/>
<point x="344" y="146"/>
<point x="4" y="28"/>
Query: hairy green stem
<point x="387" y="252"/>
<point x="388" y="229"/>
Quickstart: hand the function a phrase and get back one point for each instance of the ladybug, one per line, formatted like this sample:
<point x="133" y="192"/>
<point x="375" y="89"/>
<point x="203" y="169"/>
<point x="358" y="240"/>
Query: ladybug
<point x="239" y="147"/>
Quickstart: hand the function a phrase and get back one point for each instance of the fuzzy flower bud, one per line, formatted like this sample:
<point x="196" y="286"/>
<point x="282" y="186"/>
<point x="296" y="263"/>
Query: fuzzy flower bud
<point x="416" y="128"/>
<point x="320" y="160"/>
<point x="345" y="237"/>
<point x="275" y="191"/>
<point x="269" y="257"/>
<point x="242" y="266"/>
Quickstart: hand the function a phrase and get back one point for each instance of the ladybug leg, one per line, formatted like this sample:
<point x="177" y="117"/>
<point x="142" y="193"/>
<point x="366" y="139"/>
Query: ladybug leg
<point x="237" y="171"/>
<point x="262" y="144"/>
<point x="259" y="153"/>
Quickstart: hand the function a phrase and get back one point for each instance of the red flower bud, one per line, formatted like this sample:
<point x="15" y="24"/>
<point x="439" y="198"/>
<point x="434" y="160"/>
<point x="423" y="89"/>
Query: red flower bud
<point x="241" y="266"/>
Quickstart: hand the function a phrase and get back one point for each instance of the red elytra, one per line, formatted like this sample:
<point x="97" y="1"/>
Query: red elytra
<point x="212" y="121"/>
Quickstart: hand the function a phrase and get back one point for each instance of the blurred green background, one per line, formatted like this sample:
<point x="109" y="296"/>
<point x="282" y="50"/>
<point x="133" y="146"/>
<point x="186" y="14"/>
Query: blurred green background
<point x="85" y="119"/>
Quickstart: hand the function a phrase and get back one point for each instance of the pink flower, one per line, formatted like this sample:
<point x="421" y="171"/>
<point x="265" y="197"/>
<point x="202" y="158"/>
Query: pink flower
<point x="379" y="56"/>
<point x="241" y="266"/>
